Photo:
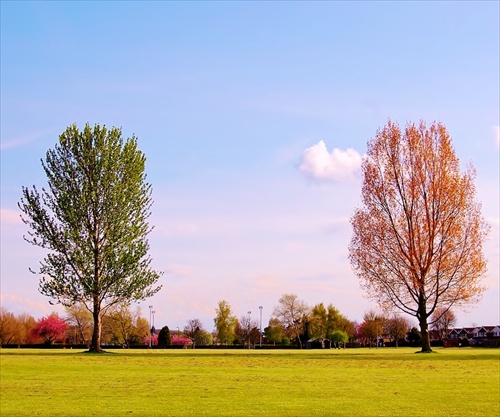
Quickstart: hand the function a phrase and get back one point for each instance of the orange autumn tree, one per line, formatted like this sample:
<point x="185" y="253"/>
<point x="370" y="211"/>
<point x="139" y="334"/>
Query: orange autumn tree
<point x="418" y="238"/>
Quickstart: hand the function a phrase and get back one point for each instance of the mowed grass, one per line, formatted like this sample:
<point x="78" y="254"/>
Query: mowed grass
<point x="351" y="382"/>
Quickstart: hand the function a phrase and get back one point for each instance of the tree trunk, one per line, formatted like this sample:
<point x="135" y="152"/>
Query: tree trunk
<point x="95" y="344"/>
<point x="422" y="321"/>
<point x="424" y="334"/>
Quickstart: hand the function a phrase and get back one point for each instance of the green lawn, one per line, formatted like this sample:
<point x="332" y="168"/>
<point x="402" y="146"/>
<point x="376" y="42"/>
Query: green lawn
<point x="351" y="382"/>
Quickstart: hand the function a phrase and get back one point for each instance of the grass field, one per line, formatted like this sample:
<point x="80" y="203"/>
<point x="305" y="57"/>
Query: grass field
<point x="356" y="382"/>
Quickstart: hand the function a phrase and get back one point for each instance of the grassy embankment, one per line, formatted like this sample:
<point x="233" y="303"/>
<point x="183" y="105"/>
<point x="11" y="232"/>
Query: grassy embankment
<point x="357" y="382"/>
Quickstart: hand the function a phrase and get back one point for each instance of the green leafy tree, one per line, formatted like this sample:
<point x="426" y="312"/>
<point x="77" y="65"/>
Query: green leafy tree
<point x="334" y="320"/>
<point x="275" y="332"/>
<point x="164" y="338"/>
<point x="93" y="220"/>
<point x="318" y="322"/>
<point x="324" y="321"/>
<point x="204" y="338"/>
<point x="225" y="323"/>
<point x="338" y="337"/>
<point x="286" y="341"/>
<point x="346" y="325"/>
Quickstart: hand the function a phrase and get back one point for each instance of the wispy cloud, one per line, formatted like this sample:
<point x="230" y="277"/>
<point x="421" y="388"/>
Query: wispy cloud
<point x="337" y="226"/>
<point x="24" y="139"/>
<point x="336" y="166"/>
<point x="179" y="229"/>
<point x="181" y="271"/>
<point x="18" y="304"/>
<point x="8" y="216"/>
<point x="14" y="143"/>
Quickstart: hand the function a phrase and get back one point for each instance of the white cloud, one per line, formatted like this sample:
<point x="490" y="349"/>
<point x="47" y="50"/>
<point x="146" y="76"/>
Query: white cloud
<point x="337" y="166"/>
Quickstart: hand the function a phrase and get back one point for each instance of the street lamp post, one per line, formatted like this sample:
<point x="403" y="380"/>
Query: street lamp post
<point x="260" y="326"/>
<point x="153" y="329"/>
<point x="150" y="335"/>
<point x="249" y="327"/>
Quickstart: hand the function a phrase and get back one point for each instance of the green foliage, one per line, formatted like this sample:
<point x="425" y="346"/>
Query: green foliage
<point x="286" y="341"/>
<point x="338" y="336"/>
<point x="164" y="338"/>
<point x="185" y="382"/>
<point x="323" y="321"/>
<point x="225" y="323"/>
<point x="318" y="322"/>
<point x="414" y="336"/>
<point x="204" y="338"/>
<point x="93" y="220"/>
<point x="275" y="332"/>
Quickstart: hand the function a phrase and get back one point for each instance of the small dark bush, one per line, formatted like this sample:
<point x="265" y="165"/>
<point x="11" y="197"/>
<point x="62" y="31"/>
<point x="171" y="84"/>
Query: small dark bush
<point x="164" y="338"/>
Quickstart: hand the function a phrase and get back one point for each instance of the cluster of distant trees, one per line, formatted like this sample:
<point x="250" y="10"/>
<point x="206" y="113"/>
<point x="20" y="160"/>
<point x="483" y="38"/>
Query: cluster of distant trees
<point x="293" y="323"/>
<point x="121" y="326"/>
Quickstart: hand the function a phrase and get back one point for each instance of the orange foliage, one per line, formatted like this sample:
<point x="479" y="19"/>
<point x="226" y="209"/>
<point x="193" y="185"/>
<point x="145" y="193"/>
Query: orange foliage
<point x="418" y="238"/>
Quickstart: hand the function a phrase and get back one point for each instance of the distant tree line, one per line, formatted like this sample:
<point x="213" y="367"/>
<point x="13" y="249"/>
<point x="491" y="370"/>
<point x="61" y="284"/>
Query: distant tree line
<point x="121" y="326"/>
<point x="293" y="323"/>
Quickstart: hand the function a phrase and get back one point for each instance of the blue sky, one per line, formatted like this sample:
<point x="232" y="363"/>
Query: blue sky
<point x="253" y="117"/>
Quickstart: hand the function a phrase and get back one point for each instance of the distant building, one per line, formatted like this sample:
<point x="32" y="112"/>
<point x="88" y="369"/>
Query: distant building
<point x="475" y="336"/>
